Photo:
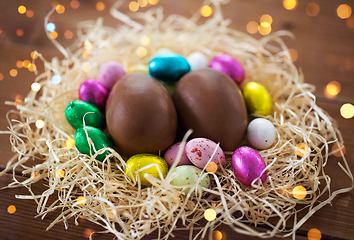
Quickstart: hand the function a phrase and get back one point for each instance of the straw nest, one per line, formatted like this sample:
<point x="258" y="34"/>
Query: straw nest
<point x="124" y="208"/>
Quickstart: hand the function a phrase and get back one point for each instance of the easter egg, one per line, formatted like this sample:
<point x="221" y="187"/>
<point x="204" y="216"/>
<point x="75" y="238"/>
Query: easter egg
<point x="261" y="133"/>
<point x="93" y="92"/>
<point x="141" y="117"/>
<point x="109" y="73"/>
<point x="171" y="155"/>
<point x="99" y="139"/>
<point x="247" y="165"/>
<point x="228" y="65"/>
<point x="200" y="150"/>
<point x="141" y="164"/>
<point x="76" y="111"/>
<point x="257" y="98"/>
<point x="210" y="103"/>
<point x="168" y="67"/>
<point x="188" y="175"/>
<point x="197" y="60"/>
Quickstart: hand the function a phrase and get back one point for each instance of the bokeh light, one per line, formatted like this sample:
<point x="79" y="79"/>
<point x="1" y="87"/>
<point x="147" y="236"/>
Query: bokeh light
<point x="144" y="40"/>
<point x="301" y="149"/>
<point x="264" y="30"/>
<point x="21" y="9"/>
<point x="56" y="79"/>
<point x="50" y="27"/>
<point x="26" y="63"/>
<point x="35" y="86"/>
<point x="344" y="11"/>
<point x="19" y="64"/>
<point x="34" y="55"/>
<point x="60" y="9"/>
<point x="53" y="34"/>
<point x="332" y="89"/>
<point x="88" y="232"/>
<point x="70" y="142"/>
<point x="68" y="34"/>
<point x="32" y="68"/>
<point x="35" y="176"/>
<point x="312" y="9"/>
<point x="29" y="13"/>
<point x="347" y="111"/>
<point x="252" y="27"/>
<point x="39" y="123"/>
<point x="11" y="209"/>
<point x="133" y="6"/>
<point x="153" y="2"/>
<point x="293" y="55"/>
<point x="86" y="67"/>
<point x="60" y="173"/>
<point x="142" y="3"/>
<point x="86" y="54"/>
<point x="266" y="18"/>
<point x="206" y="11"/>
<point x="314" y="234"/>
<point x="290" y="4"/>
<point x="100" y="6"/>
<point x="299" y="192"/>
<point x="53" y="4"/>
<point x="141" y="52"/>
<point x="74" y="4"/>
<point x="338" y="150"/>
<point x="81" y="200"/>
<point x="13" y="72"/>
<point x="88" y="45"/>
<point x="211" y="167"/>
<point x="210" y="214"/>
<point x="217" y="235"/>
<point x="1" y="76"/>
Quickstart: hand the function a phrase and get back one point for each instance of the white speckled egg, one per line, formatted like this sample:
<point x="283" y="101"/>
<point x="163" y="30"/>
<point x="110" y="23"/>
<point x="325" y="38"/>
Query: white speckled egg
<point x="261" y="133"/>
<point x="197" y="60"/>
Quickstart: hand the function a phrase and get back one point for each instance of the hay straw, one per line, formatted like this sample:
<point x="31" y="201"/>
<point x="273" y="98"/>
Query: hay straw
<point x="128" y="210"/>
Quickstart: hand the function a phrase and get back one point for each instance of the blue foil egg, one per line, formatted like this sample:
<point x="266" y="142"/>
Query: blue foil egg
<point x="168" y="67"/>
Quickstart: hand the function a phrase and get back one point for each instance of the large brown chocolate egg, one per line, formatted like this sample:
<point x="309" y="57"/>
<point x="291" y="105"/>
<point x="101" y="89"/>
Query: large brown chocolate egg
<point x="210" y="103"/>
<point x="140" y="114"/>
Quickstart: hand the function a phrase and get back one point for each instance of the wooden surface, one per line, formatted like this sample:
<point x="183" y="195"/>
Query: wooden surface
<point x="326" y="52"/>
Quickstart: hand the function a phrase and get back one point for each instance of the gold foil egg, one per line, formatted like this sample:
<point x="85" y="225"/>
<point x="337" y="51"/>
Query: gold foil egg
<point x="257" y="99"/>
<point x="145" y="163"/>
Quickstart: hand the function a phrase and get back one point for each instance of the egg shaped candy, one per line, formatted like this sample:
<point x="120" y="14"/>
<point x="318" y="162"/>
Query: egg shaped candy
<point x="141" y="117"/>
<point x="210" y="103"/>
<point x="257" y="98"/>
<point x="228" y="65"/>
<point x="261" y="133"/>
<point x="188" y="175"/>
<point x="197" y="60"/>
<point x="247" y="165"/>
<point x="93" y="92"/>
<point x="109" y="73"/>
<point x="171" y="155"/>
<point x="200" y="150"/>
<point x="142" y="164"/>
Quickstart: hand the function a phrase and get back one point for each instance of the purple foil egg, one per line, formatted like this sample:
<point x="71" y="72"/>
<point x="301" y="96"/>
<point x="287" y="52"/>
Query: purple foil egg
<point x="110" y="73"/>
<point x="93" y="92"/>
<point x="171" y="154"/>
<point x="248" y="165"/>
<point x="228" y="65"/>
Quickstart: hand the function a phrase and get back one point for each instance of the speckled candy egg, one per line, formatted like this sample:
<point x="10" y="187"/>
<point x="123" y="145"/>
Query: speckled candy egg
<point x="171" y="155"/>
<point x="247" y="165"/>
<point x="197" y="60"/>
<point x="139" y="164"/>
<point x="188" y="175"/>
<point x="257" y="98"/>
<point x="200" y="150"/>
<point x="261" y="133"/>
<point x="109" y="73"/>
<point x="93" y="92"/>
<point x="228" y="65"/>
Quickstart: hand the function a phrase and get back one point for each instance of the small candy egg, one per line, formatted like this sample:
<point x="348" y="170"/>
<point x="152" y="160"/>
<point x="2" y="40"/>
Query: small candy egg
<point x="139" y="164"/>
<point x="228" y="65"/>
<point x="197" y="60"/>
<point x="100" y="140"/>
<point x="110" y="73"/>
<point x="261" y="133"/>
<point x="138" y="68"/>
<point x="93" y="92"/>
<point x="257" y="99"/>
<point x="76" y="110"/>
<point x="188" y="175"/>
<point x="247" y="165"/>
<point x="171" y="154"/>
<point x="200" y="150"/>
<point x="168" y="67"/>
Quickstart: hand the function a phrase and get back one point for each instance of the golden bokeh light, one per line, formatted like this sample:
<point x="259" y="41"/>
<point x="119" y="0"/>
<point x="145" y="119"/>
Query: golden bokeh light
<point x="26" y="63"/>
<point x="53" y="34"/>
<point x="60" y="9"/>
<point x="299" y="192"/>
<point x="100" y="6"/>
<point x="39" y="123"/>
<point x="86" y="54"/>
<point x="301" y="149"/>
<point x="32" y="68"/>
<point x="68" y="34"/>
<point x="264" y="30"/>
<point x="18" y="102"/>
<point x="19" y="64"/>
<point x="13" y="72"/>
<point x="252" y="27"/>
<point x="29" y="13"/>
<point x="290" y="4"/>
<point x="35" y="86"/>
<point x="70" y="142"/>
<point x="88" y="45"/>
<point x="19" y="32"/>
<point x="60" y="173"/>
<point x="34" y="55"/>
<point x="133" y="6"/>
<point x="22" y="9"/>
<point x="206" y="11"/>
<point x="86" y="67"/>
<point x="314" y="234"/>
<point x="88" y="232"/>
<point x="35" y="176"/>
<point x="210" y="214"/>
<point x="217" y="235"/>
<point x="142" y="3"/>
<point x="293" y="55"/>
<point x="144" y="40"/>
<point x="312" y="9"/>
<point x="81" y="200"/>
<point x="141" y="52"/>
<point x="338" y="150"/>
<point x="347" y="111"/>
<point x="350" y="22"/>
<point x="153" y="2"/>
<point x="75" y="4"/>
<point x="266" y="18"/>
<point x="1" y="76"/>
<point x="211" y="167"/>
<point x="332" y="89"/>
<point x="344" y="11"/>
<point x="11" y="209"/>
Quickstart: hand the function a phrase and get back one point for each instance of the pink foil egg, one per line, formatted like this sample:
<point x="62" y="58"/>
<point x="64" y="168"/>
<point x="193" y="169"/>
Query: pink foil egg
<point x="94" y="93"/>
<point x="171" y="154"/>
<point x="200" y="150"/>
<point x="228" y="65"/>
<point x="248" y="165"/>
<point x="110" y="73"/>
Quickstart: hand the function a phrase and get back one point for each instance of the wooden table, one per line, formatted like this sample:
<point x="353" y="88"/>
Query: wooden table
<point x="324" y="44"/>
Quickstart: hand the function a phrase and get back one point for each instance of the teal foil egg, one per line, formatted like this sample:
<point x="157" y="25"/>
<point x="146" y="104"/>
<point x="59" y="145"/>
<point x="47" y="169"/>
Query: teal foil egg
<point x="76" y="110"/>
<point x="99" y="139"/>
<point x="168" y="67"/>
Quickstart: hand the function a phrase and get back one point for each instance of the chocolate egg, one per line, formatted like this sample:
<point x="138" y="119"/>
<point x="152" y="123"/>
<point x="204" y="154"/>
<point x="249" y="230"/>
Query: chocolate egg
<point x="140" y="114"/>
<point x="210" y="103"/>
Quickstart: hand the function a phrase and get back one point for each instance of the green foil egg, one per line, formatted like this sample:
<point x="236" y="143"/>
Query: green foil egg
<point x="99" y="139"/>
<point x="188" y="175"/>
<point x="76" y="110"/>
<point x="139" y="161"/>
<point x="257" y="99"/>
